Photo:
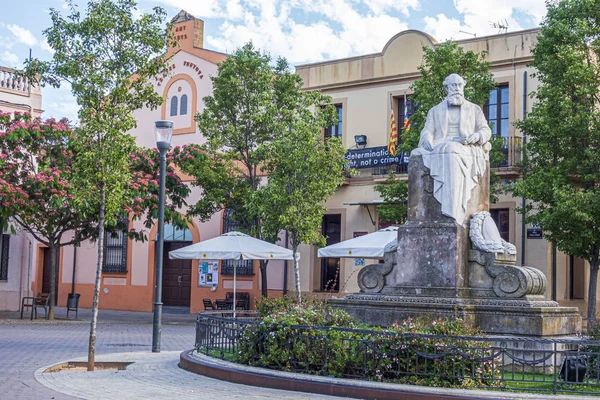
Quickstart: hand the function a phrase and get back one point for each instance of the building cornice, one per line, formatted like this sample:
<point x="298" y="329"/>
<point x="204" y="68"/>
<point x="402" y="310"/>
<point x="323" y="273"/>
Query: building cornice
<point x="410" y="77"/>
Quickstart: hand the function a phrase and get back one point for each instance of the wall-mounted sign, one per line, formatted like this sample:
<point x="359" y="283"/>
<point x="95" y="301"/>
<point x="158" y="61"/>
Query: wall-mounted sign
<point x="371" y="157"/>
<point x="208" y="273"/>
<point x="534" y="231"/>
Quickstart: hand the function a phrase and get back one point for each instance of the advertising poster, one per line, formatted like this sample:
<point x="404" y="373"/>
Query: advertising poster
<point x="208" y="273"/>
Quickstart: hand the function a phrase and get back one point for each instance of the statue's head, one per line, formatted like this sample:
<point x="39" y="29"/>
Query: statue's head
<point x="454" y="85"/>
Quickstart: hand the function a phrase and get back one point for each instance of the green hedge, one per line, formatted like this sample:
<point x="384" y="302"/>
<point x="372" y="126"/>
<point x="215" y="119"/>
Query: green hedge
<point x="315" y="338"/>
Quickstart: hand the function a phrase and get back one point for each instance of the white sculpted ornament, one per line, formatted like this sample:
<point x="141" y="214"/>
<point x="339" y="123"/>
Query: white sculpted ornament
<point x="454" y="145"/>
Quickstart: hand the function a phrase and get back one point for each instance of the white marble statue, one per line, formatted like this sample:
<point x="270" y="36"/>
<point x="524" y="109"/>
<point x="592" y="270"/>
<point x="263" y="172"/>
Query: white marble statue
<point x="454" y="145"/>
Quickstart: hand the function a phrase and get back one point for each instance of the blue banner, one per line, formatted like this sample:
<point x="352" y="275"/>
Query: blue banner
<point x="372" y="157"/>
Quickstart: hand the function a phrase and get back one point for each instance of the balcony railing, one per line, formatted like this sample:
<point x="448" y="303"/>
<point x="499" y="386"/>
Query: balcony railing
<point x="511" y="148"/>
<point x="11" y="81"/>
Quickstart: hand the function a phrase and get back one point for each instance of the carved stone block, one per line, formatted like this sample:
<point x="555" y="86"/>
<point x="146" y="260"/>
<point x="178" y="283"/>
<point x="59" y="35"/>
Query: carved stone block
<point x="431" y="259"/>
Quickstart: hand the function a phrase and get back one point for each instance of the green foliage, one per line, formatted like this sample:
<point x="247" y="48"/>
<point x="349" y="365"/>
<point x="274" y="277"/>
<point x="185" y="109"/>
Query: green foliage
<point x="259" y="121"/>
<point x="396" y="192"/>
<point x="38" y="185"/>
<point x="108" y="57"/>
<point x="438" y="63"/>
<point x="563" y="147"/>
<point x="315" y="338"/>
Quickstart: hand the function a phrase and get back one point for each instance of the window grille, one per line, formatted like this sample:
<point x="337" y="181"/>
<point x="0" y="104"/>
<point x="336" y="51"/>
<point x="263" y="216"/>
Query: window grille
<point x="4" y="260"/>
<point x="243" y="267"/>
<point x="115" y="251"/>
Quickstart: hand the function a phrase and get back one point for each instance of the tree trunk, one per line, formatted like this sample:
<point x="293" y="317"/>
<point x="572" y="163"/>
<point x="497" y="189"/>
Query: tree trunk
<point x="591" y="313"/>
<point x="263" y="277"/>
<point x="53" y="273"/>
<point x="92" y="343"/>
<point x="297" y="275"/>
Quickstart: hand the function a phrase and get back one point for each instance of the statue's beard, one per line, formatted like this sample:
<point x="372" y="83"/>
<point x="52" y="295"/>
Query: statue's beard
<point x="456" y="99"/>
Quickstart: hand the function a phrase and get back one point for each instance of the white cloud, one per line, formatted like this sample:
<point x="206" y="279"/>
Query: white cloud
<point x="200" y="9"/>
<point x="22" y="35"/>
<point x="10" y="59"/>
<point x="45" y="46"/>
<point x="269" y="25"/>
<point x="404" y="6"/>
<point x="480" y="15"/>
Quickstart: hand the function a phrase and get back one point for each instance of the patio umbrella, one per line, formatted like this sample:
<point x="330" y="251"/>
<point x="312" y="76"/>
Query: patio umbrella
<point x="366" y="246"/>
<point x="232" y="246"/>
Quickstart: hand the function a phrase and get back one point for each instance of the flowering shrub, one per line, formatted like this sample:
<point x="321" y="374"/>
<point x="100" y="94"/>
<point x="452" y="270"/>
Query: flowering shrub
<point x="318" y="339"/>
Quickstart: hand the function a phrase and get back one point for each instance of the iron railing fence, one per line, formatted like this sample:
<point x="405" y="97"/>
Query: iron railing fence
<point x="499" y="363"/>
<point x="512" y="148"/>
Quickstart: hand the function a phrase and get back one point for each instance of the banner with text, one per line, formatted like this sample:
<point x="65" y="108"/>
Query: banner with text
<point x="371" y="157"/>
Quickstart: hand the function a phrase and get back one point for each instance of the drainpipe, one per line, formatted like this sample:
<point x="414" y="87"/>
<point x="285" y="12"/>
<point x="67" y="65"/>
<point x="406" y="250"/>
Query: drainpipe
<point x="285" y="266"/>
<point x="523" y="200"/>
<point x="553" y="272"/>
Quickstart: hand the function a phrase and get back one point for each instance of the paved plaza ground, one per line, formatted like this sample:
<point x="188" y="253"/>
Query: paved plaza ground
<point x="27" y="346"/>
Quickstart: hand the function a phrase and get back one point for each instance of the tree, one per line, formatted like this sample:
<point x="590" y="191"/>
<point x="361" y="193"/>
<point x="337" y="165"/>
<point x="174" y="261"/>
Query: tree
<point x="109" y="57"/>
<point x="252" y="105"/>
<point x="38" y="188"/>
<point x="563" y="148"/>
<point x="303" y="172"/>
<point x="428" y="91"/>
<point x="395" y="195"/>
<point x="40" y="192"/>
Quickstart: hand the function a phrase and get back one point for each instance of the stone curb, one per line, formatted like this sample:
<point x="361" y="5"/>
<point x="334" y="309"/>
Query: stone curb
<point x="254" y="376"/>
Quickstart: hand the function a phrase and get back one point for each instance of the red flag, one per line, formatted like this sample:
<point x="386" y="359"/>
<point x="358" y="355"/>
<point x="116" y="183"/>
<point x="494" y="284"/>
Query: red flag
<point x="406" y="121"/>
<point x="393" y="136"/>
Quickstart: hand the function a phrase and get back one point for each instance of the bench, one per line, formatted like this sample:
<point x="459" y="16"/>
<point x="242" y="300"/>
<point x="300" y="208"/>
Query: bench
<point x="41" y="300"/>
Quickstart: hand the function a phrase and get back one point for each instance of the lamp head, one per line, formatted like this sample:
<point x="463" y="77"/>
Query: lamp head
<point x="163" y="131"/>
<point x="361" y="140"/>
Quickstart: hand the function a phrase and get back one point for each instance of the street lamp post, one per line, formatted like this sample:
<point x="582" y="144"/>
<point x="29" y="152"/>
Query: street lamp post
<point x="163" y="131"/>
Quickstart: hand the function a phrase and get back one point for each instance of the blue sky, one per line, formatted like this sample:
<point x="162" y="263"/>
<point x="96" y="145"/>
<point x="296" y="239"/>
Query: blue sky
<point x="300" y="30"/>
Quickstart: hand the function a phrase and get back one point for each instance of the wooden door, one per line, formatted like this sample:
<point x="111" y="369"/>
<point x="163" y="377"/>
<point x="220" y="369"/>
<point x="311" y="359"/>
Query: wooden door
<point x="177" y="277"/>
<point x="47" y="274"/>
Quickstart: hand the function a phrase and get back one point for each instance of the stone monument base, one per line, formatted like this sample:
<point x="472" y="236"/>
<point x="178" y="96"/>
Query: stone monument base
<point x="532" y="316"/>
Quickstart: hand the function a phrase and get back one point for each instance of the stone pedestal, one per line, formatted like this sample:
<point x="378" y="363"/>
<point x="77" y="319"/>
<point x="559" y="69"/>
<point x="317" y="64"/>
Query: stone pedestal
<point x="431" y="260"/>
<point x="523" y="317"/>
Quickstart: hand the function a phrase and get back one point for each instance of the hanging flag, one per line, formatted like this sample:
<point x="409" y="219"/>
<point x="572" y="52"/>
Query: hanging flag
<point x="406" y="126"/>
<point x="393" y="137"/>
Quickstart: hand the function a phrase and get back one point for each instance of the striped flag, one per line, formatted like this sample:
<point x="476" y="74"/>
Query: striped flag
<point x="393" y="137"/>
<point x="406" y="126"/>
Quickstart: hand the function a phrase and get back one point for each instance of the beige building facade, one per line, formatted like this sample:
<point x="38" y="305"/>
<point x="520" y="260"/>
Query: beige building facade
<point x="366" y="89"/>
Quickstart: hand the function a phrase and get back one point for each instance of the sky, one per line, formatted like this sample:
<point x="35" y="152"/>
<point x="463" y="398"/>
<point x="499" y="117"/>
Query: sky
<point x="302" y="31"/>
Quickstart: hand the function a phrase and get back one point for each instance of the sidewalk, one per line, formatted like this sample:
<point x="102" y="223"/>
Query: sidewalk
<point x="170" y="316"/>
<point x="155" y="376"/>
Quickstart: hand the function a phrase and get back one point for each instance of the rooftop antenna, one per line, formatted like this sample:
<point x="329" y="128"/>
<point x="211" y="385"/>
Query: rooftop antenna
<point x="469" y="33"/>
<point x="501" y="25"/>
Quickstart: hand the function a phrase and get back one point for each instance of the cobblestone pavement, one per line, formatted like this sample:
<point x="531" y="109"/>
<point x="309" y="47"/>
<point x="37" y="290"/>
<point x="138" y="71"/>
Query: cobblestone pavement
<point x="26" y="346"/>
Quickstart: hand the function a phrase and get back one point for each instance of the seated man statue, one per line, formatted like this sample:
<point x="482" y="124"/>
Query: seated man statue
<point x="454" y="145"/>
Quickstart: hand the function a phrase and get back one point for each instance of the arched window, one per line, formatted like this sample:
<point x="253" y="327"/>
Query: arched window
<point x="173" y="106"/>
<point x="174" y="234"/>
<point x="183" y="106"/>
